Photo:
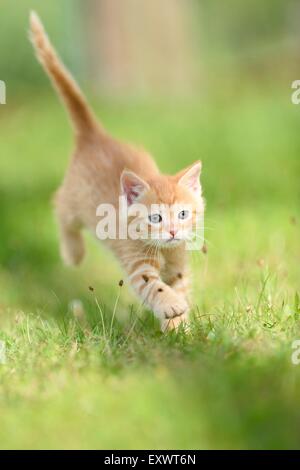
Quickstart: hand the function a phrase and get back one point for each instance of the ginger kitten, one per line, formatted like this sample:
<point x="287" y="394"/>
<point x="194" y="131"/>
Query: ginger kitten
<point x="102" y="169"/>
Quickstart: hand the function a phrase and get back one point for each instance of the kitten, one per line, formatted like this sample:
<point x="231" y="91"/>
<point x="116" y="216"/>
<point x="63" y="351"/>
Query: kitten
<point x="101" y="169"/>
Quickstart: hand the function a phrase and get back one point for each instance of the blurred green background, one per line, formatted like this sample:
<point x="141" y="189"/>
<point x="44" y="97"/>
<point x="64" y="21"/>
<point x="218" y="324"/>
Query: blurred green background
<point x="186" y="80"/>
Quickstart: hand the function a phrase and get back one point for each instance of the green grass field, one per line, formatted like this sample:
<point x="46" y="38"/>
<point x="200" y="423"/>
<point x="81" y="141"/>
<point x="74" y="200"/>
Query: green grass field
<point x="84" y="382"/>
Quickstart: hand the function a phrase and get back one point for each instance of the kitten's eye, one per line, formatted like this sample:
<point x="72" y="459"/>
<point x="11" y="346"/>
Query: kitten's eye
<point x="155" y="218"/>
<point x="183" y="214"/>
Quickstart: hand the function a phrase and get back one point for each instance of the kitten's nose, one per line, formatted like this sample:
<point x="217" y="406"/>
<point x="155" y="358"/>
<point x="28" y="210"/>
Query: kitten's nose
<point x="173" y="233"/>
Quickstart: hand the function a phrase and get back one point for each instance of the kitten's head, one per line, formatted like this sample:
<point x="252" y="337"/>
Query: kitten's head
<point x="165" y="209"/>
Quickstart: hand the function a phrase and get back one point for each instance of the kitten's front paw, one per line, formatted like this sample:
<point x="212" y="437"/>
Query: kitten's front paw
<point x="176" y="308"/>
<point x="170" y="307"/>
<point x="175" y="323"/>
<point x="172" y="311"/>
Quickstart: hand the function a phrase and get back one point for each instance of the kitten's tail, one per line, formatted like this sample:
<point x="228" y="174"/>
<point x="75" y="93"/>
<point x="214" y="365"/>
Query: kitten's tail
<point x="82" y="117"/>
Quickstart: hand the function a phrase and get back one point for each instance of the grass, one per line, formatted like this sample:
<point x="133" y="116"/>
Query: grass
<point x="100" y="374"/>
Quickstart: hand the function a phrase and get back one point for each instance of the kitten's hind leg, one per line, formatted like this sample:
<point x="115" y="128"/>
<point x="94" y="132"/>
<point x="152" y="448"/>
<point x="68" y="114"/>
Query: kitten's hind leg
<point x="71" y="240"/>
<point x="71" y="245"/>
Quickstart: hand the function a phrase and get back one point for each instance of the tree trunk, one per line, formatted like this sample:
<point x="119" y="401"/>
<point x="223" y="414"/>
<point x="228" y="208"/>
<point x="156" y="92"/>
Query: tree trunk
<point x="140" y="46"/>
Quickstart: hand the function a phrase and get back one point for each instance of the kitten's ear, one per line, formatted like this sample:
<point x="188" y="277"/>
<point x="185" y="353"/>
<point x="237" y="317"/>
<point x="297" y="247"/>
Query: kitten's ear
<point x="132" y="186"/>
<point x="190" y="177"/>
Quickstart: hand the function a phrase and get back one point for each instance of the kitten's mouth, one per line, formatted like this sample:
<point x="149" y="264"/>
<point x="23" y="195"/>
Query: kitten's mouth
<point x="173" y="241"/>
<point x="170" y="241"/>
